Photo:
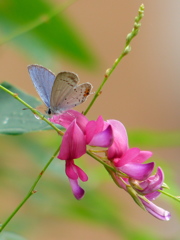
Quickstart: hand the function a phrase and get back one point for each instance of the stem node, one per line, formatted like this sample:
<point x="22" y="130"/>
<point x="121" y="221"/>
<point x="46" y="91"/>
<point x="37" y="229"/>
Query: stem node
<point x="15" y="95"/>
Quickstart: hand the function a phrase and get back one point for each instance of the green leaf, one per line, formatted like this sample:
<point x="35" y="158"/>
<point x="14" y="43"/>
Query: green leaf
<point x="10" y="236"/>
<point x="57" y="35"/>
<point x="15" y="120"/>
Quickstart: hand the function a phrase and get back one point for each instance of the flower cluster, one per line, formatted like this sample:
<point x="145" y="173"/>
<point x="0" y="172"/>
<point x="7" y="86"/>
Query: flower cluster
<point x="125" y="165"/>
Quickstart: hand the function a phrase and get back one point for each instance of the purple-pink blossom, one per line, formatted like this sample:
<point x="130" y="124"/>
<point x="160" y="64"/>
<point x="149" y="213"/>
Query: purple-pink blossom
<point x="130" y="161"/>
<point x="131" y="173"/>
<point x="80" y="133"/>
<point x="150" y="184"/>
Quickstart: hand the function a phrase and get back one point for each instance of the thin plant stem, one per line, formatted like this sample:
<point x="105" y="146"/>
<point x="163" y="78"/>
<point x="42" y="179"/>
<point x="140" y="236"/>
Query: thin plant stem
<point x="106" y="165"/>
<point x="100" y="161"/>
<point x="169" y="195"/>
<point x="33" y="110"/>
<point x="36" y="23"/>
<point x="30" y="192"/>
<point x="125" y="51"/>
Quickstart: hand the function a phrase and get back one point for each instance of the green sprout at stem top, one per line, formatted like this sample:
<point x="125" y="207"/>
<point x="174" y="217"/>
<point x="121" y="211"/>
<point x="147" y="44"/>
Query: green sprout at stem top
<point x="126" y="50"/>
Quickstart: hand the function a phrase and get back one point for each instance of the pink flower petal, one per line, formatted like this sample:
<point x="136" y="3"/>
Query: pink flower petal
<point x="153" y="196"/>
<point x="76" y="189"/>
<point x="120" y="142"/>
<point x="137" y="171"/>
<point x="73" y="143"/>
<point x="156" y="211"/>
<point x="94" y="127"/>
<point x="81" y="174"/>
<point x="129" y="156"/>
<point x="153" y="183"/>
<point x="66" y="118"/>
<point x="142" y="157"/>
<point x="102" y="139"/>
<point x="70" y="170"/>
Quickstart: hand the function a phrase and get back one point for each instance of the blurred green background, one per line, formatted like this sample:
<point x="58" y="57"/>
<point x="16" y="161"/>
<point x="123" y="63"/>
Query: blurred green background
<point x="143" y="93"/>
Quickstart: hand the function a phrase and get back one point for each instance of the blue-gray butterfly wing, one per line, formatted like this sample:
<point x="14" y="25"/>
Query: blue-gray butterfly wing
<point x="43" y="80"/>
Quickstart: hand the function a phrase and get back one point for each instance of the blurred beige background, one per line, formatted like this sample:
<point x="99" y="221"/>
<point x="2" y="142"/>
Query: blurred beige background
<point x="143" y="92"/>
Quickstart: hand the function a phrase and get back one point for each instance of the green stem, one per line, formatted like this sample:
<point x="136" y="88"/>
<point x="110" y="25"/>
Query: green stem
<point x="169" y="195"/>
<point x="30" y="192"/>
<point x="41" y="20"/>
<point x="106" y="165"/>
<point x="34" y="111"/>
<point x="125" y="51"/>
<point x="100" y="161"/>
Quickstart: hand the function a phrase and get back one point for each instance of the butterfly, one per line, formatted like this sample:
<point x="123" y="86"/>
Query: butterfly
<point x="61" y="92"/>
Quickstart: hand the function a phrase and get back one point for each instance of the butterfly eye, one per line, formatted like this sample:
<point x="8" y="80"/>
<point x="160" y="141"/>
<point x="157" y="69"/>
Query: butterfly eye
<point x="49" y="111"/>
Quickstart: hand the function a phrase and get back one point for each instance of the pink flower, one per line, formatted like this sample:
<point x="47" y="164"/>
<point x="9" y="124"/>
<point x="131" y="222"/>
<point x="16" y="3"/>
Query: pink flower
<point x="149" y="185"/>
<point x="73" y="146"/>
<point x="133" y="175"/>
<point x="144" y="197"/>
<point x="125" y="159"/>
<point x="120" y="140"/>
<point x="129" y="161"/>
<point x="80" y="132"/>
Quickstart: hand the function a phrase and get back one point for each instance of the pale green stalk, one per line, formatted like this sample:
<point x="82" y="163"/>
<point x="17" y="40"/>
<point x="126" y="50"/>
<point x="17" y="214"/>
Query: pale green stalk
<point x="125" y="51"/>
<point x="100" y="161"/>
<point x="177" y="198"/>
